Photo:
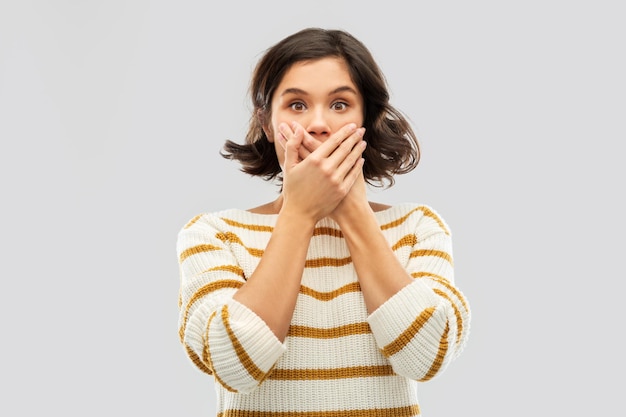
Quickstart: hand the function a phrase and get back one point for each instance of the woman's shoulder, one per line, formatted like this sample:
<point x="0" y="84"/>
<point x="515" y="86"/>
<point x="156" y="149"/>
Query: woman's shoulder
<point x="409" y="213"/>
<point x="406" y="207"/>
<point x="221" y="219"/>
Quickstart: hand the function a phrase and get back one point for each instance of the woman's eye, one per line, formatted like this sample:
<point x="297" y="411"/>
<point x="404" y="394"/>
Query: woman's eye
<point x="297" y="106"/>
<point x="339" y="106"/>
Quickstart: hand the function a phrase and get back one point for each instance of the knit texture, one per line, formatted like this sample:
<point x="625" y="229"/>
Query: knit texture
<point x="336" y="359"/>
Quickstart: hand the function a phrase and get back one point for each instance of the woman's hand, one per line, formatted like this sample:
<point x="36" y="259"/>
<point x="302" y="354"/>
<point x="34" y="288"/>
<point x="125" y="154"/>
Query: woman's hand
<point x="357" y="195"/>
<point x="318" y="175"/>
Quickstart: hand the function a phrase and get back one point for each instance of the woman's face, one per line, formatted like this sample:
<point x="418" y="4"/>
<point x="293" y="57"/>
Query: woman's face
<point x="319" y="95"/>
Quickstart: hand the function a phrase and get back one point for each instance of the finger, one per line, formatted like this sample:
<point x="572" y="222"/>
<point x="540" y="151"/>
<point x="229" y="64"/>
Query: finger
<point x="291" y="146"/>
<point x="349" y="146"/>
<point x="346" y="133"/>
<point x="308" y="141"/>
<point x="283" y="133"/>
<point x="346" y="165"/>
<point x="304" y="138"/>
<point x="295" y="132"/>
<point x="353" y="174"/>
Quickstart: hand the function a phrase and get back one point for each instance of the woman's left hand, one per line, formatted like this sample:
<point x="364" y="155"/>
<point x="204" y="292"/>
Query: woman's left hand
<point x="356" y="197"/>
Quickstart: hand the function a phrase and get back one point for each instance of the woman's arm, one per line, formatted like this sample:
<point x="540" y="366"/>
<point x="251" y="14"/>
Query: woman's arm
<point x="220" y="335"/>
<point x="272" y="290"/>
<point x="418" y="317"/>
<point x="311" y="190"/>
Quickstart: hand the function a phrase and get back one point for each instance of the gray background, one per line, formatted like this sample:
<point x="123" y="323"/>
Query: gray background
<point x="111" y="117"/>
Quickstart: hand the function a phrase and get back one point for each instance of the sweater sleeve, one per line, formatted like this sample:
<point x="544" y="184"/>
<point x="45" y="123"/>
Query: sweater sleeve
<point x="424" y="326"/>
<point x="221" y="336"/>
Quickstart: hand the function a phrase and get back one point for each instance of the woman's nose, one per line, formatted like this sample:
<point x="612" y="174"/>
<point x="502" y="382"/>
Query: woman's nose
<point x="317" y="125"/>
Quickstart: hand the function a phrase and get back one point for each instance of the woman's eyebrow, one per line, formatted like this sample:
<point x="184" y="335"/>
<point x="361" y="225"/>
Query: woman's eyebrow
<point x="293" y="91"/>
<point x="299" y="91"/>
<point x="342" y="89"/>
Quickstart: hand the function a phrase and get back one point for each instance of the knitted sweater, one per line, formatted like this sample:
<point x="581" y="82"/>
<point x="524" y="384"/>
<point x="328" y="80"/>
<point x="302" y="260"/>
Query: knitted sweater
<point x="336" y="359"/>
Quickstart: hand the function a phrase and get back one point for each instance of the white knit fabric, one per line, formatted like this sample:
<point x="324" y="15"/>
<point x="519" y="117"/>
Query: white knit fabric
<point x="336" y="360"/>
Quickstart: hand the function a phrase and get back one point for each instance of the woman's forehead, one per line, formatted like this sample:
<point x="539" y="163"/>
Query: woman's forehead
<point x="331" y="73"/>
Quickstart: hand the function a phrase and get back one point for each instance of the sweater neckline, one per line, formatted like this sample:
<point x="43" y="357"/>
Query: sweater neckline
<point x="251" y="215"/>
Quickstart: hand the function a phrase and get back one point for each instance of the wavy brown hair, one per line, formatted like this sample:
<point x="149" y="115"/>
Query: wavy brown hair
<point x="392" y="147"/>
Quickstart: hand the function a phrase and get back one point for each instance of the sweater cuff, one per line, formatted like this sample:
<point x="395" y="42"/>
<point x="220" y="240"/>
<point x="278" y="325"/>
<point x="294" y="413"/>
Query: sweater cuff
<point x="396" y="314"/>
<point x="255" y="336"/>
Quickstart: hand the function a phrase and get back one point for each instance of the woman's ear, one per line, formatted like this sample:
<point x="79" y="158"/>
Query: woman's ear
<point x="267" y="129"/>
<point x="268" y="133"/>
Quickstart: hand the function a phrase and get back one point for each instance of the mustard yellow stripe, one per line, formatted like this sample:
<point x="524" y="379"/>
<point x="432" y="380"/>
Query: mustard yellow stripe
<point x="314" y="263"/>
<point x="408" y="411"/>
<point x="192" y="221"/>
<point x="243" y="356"/>
<point x="422" y="274"/>
<point x="441" y="353"/>
<point x="332" y="373"/>
<point x="443" y="281"/>
<point x="202" y="291"/>
<point x="196" y="249"/>
<point x="327" y="231"/>
<point x="311" y="263"/>
<point x="399" y="221"/>
<point x="322" y="262"/>
<point x="427" y="212"/>
<point x="408" y="240"/>
<point x="196" y="360"/>
<point x="327" y="296"/>
<point x="432" y="252"/>
<point x="457" y="314"/>
<point x="331" y="333"/>
<point x="406" y="336"/>
<point x="206" y="355"/>
<point x="254" y="227"/>
<point x="233" y="238"/>
<point x="227" y="268"/>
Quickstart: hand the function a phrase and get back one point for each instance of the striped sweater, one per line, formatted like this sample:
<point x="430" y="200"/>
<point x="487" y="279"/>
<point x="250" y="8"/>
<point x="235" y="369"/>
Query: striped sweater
<point x="336" y="359"/>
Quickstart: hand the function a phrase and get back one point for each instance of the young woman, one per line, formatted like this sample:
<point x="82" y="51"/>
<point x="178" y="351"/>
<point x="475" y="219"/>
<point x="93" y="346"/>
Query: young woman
<point x="321" y="303"/>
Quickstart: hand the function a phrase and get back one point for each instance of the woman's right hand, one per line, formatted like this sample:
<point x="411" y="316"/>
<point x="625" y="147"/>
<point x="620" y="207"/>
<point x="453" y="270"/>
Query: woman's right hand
<point x="316" y="181"/>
